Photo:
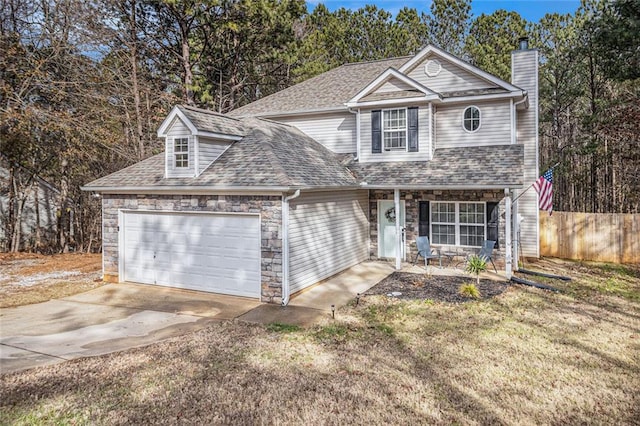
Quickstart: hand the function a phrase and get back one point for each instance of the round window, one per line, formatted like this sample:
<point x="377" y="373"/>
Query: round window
<point x="471" y="119"/>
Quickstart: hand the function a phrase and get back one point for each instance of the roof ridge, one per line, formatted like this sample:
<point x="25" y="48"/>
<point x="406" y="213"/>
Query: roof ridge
<point x="268" y="151"/>
<point x="373" y="61"/>
<point x="207" y="111"/>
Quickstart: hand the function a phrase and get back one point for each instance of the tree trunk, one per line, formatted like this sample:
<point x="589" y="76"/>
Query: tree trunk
<point x="133" y="58"/>
<point x="63" y="235"/>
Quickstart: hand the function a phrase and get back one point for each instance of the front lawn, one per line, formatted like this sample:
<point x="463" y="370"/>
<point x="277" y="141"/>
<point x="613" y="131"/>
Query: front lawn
<point x="525" y="356"/>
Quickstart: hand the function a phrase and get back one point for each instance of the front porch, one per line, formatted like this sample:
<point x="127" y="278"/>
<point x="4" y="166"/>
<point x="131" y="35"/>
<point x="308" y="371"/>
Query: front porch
<point x="456" y="222"/>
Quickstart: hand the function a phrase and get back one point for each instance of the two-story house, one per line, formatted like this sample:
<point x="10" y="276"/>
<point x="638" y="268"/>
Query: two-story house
<point x="350" y="165"/>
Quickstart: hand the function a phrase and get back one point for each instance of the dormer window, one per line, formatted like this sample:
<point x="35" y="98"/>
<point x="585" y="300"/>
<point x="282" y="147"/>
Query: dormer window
<point x="394" y="129"/>
<point x="471" y="119"/>
<point x="181" y="152"/>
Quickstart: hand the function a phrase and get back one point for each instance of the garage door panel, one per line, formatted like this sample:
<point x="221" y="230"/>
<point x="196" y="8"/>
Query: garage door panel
<point x="215" y="253"/>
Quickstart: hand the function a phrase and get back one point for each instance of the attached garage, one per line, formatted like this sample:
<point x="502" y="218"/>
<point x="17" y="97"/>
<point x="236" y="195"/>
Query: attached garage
<point x="212" y="252"/>
<point x="328" y="232"/>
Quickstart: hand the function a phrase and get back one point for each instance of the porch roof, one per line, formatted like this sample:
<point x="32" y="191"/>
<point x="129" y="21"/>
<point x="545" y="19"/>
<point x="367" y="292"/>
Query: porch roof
<point x="495" y="166"/>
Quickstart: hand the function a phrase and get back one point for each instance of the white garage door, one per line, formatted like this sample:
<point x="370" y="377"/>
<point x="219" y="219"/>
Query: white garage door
<point x="206" y="252"/>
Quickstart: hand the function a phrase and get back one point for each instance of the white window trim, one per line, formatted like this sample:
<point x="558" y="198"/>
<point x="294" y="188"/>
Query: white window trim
<point x="175" y="153"/>
<point x="406" y="130"/>
<point x="479" y="119"/>
<point x="457" y="221"/>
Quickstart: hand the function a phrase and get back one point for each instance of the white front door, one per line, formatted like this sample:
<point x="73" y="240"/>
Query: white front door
<point x="387" y="240"/>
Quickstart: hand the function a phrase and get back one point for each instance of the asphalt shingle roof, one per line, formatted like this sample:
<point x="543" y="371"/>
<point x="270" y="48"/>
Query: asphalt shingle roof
<point x="270" y="155"/>
<point x="329" y="90"/>
<point x="213" y="122"/>
<point x="481" y="166"/>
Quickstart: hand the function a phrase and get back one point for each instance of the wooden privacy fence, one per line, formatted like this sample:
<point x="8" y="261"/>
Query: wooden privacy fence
<point x="604" y="237"/>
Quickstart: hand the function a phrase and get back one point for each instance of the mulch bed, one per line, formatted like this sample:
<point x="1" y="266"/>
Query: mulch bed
<point x="438" y="288"/>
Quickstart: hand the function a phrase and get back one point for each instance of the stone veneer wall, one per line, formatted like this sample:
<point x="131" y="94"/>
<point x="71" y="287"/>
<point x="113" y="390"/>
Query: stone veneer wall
<point x="269" y="207"/>
<point x="412" y="198"/>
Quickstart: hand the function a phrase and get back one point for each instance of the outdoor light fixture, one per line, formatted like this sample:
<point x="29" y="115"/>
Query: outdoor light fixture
<point x="333" y="311"/>
<point x="357" y="298"/>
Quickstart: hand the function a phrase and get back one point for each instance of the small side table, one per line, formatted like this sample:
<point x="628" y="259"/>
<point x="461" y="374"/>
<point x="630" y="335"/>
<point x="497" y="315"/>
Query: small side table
<point x="451" y="255"/>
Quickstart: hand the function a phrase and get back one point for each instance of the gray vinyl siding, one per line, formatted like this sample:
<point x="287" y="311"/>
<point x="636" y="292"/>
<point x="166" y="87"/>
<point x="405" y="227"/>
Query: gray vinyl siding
<point x="495" y="125"/>
<point x="524" y="75"/>
<point x="209" y="151"/>
<point x="451" y="77"/>
<point x="337" y="131"/>
<point x="179" y="130"/>
<point x="424" y="150"/>
<point x="328" y="232"/>
<point x="393" y="85"/>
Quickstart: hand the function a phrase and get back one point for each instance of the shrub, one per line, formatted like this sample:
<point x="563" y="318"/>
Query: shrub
<point x="475" y="265"/>
<point x="470" y="290"/>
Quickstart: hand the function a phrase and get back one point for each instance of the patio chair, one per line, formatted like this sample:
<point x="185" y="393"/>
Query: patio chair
<point x="425" y="250"/>
<point x="486" y="252"/>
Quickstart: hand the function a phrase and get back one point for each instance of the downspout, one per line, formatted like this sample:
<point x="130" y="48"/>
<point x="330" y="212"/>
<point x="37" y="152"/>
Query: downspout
<point x="357" y="113"/>
<point x="514" y="117"/>
<point x="515" y="223"/>
<point x="285" y="246"/>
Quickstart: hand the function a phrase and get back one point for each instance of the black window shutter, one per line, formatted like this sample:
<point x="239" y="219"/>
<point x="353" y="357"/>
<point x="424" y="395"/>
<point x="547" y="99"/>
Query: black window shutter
<point x="413" y="129"/>
<point x="423" y="220"/>
<point x="376" y="131"/>
<point x="493" y="220"/>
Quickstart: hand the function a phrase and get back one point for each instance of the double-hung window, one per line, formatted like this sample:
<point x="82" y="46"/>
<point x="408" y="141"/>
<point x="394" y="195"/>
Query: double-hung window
<point x="181" y="152"/>
<point x="394" y="129"/>
<point x="458" y="223"/>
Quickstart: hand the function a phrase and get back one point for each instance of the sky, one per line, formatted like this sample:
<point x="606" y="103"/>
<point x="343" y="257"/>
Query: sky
<point x="531" y="10"/>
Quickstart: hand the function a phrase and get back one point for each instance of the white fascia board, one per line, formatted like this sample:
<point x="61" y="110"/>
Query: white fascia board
<point x="175" y="112"/>
<point x="218" y="135"/>
<point x="457" y="61"/>
<point x="472" y="98"/>
<point x="391" y="102"/>
<point x="439" y="187"/>
<point x="386" y="76"/>
<point x="199" y="190"/>
<point x="203" y="190"/>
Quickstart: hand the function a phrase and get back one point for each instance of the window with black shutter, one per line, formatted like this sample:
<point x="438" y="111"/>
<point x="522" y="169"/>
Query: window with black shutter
<point x="376" y="132"/>
<point x="493" y="221"/>
<point x="413" y="129"/>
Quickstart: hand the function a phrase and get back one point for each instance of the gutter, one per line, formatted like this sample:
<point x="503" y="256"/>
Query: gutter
<point x="440" y="187"/>
<point x="180" y="189"/>
<point x="286" y="292"/>
<point x="207" y="190"/>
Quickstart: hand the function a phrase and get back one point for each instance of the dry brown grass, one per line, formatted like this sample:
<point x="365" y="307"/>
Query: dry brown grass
<point x="28" y="278"/>
<point x="524" y="357"/>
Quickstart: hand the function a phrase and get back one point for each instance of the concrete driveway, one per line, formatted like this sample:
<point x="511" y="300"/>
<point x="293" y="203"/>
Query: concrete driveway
<point x="116" y="317"/>
<point x="111" y="318"/>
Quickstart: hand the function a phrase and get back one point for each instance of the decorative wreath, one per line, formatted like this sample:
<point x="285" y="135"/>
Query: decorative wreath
<point x="390" y="214"/>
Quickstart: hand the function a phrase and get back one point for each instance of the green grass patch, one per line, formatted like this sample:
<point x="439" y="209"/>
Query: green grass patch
<point x="332" y="333"/>
<point x="278" y="327"/>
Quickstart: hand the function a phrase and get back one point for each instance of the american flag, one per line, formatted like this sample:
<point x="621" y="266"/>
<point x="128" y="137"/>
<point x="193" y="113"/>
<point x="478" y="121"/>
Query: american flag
<point x="544" y="188"/>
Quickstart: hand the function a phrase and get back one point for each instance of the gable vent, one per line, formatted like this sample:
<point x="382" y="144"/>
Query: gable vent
<point x="432" y="68"/>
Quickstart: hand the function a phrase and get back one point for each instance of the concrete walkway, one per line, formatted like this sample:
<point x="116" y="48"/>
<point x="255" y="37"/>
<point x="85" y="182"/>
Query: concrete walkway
<point x="314" y="303"/>
<point x="116" y="317"/>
